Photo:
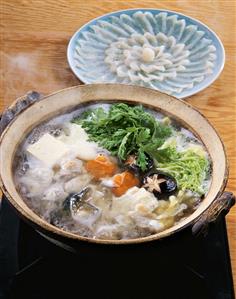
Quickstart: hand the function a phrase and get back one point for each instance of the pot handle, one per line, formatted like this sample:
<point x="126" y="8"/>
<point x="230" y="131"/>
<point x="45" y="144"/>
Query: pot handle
<point x="16" y="107"/>
<point x="220" y="206"/>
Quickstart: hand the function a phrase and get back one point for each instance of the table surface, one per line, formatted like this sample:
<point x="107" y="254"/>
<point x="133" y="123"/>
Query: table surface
<point x="35" y="35"/>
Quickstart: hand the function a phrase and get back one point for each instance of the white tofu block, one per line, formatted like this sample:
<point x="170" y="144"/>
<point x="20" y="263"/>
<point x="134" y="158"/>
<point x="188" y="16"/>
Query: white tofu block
<point x="78" y="139"/>
<point x="48" y="149"/>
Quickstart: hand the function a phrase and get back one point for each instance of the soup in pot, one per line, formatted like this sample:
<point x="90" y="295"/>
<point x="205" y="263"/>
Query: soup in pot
<point x="112" y="171"/>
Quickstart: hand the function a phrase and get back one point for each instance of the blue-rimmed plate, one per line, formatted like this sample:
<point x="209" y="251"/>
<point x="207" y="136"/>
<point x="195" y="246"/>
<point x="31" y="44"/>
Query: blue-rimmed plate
<point x="160" y="49"/>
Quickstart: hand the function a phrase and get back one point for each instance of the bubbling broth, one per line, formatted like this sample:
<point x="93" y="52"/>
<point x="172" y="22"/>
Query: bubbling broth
<point x="112" y="171"/>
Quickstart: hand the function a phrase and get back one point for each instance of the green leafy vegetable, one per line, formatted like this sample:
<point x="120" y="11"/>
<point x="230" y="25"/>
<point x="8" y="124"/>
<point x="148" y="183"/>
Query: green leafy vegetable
<point x="188" y="167"/>
<point x="125" y="130"/>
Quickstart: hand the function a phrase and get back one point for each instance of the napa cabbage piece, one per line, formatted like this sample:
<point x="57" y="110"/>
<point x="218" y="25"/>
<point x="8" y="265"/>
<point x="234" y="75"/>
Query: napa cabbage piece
<point x="189" y="167"/>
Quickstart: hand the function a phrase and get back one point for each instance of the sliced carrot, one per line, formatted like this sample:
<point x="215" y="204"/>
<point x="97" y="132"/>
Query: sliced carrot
<point x="124" y="181"/>
<point x="101" y="167"/>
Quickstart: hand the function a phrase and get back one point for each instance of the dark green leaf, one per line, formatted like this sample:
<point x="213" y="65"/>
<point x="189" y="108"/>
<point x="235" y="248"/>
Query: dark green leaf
<point x="125" y="129"/>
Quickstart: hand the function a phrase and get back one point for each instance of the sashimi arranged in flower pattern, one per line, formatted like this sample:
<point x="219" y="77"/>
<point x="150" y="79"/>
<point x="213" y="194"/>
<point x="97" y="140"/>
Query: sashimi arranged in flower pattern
<point x="153" y="50"/>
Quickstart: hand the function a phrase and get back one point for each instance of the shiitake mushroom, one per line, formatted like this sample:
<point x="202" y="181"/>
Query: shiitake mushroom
<point x="162" y="185"/>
